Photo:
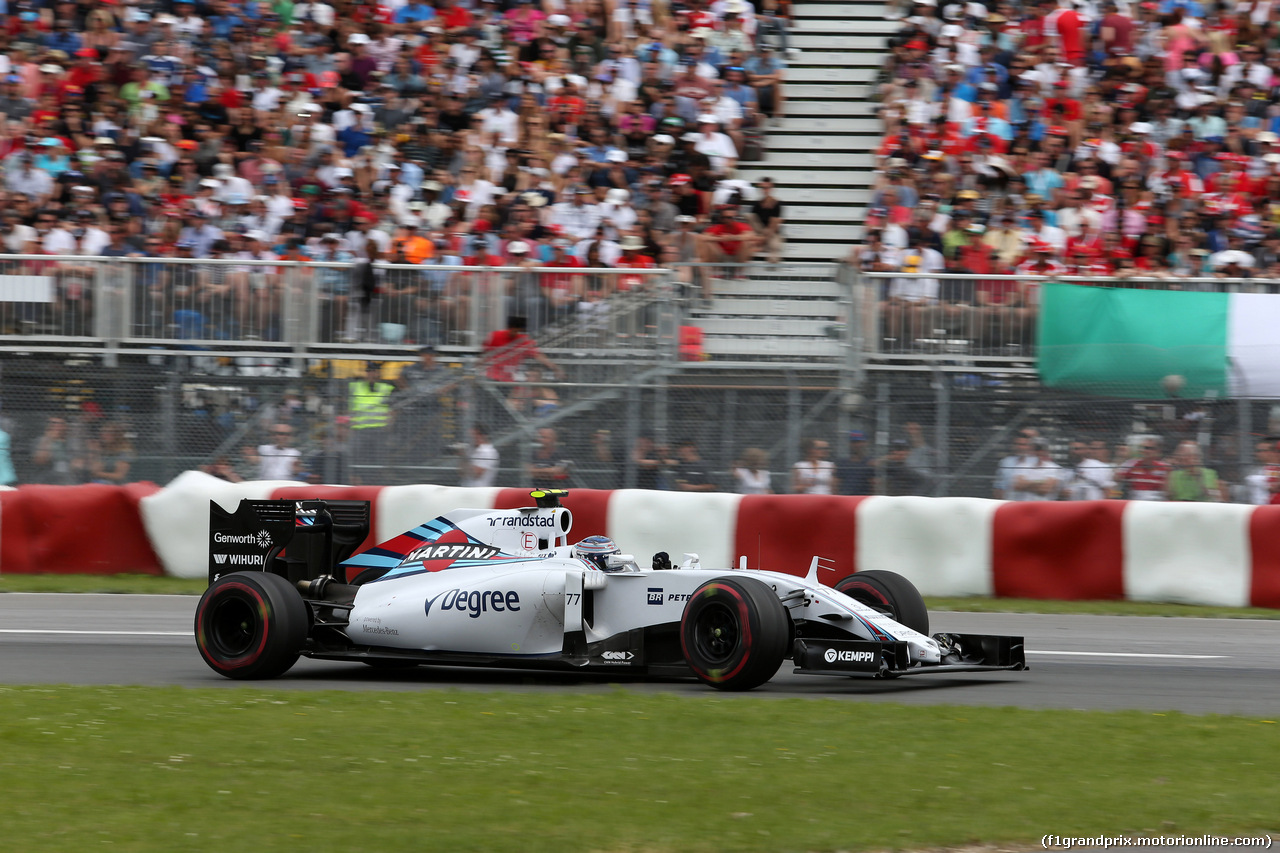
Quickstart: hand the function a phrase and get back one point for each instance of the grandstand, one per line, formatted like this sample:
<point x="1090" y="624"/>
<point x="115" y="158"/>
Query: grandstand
<point x="213" y="220"/>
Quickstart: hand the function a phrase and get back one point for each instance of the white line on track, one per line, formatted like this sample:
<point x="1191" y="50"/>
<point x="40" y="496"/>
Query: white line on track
<point x="1124" y="655"/>
<point x="188" y="634"/>
<point x="45" y="630"/>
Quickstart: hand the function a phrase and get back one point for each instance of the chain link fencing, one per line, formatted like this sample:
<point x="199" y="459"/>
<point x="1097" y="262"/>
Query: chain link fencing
<point x="941" y="432"/>
<point x="627" y="408"/>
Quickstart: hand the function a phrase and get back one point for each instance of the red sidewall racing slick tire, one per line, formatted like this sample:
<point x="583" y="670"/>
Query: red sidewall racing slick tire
<point x="734" y="633"/>
<point x="251" y="625"/>
<point x="891" y="594"/>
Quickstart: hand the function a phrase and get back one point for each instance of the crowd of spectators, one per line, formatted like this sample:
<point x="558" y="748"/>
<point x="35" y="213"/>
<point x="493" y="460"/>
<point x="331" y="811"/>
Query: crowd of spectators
<point x="389" y="429"/>
<point x="1133" y="141"/>
<point x="1148" y="467"/>
<point x="564" y="133"/>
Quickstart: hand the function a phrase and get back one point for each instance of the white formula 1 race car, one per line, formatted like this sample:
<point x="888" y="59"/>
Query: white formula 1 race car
<point x="506" y="588"/>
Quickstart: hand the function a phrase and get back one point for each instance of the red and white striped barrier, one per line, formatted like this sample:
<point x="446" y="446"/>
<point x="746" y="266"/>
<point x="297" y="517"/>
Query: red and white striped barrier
<point x="83" y="530"/>
<point x="1221" y="554"/>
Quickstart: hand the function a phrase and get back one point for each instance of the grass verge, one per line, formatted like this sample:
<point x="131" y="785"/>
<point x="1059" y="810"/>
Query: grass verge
<point x="136" y="584"/>
<point x="1100" y="608"/>
<point x="165" y="769"/>
<point x="149" y="584"/>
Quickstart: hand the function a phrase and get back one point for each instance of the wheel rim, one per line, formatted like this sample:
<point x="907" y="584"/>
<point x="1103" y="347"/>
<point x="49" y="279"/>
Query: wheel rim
<point x="872" y="598"/>
<point x="233" y="627"/>
<point x="716" y="633"/>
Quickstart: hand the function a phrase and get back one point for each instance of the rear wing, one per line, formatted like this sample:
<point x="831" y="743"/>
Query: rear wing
<point x="298" y="540"/>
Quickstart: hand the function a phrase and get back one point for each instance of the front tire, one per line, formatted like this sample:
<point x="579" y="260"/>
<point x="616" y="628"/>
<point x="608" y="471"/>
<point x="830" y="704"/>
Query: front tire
<point x="734" y="633"/>
<point x="251" y="625"/>
<point x="891" y="594"/>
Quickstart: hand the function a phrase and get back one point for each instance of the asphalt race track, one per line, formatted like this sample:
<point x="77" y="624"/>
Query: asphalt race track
<point x="1095" y="662"/>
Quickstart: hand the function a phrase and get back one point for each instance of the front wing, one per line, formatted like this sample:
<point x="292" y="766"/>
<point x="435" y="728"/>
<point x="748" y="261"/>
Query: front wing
<point x="972" y="653"/>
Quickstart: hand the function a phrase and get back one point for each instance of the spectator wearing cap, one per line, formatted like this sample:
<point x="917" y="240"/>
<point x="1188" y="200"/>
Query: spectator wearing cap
<point x="854" y="473"/>
<point x="715" y="145"/>
<point x="633" y="257"/>
<point x="433" y="214"/>
<point x="598" y="250"/>
<point x="728" y="113"/>
<point x="498" y="119"/>
<point x="767" y="217"/>
<point x="616" y="213"/>
<point x="735" y="87"/>
<point x="200" y="233"/>
<point x="562" y="290"/>
<point x="1175" y="179"/>
<point x="526" y="296"/>
<point x="610" y="183"/>
<point x="1041" y="262"/>
<point x="1039" y="227"/>
<point x="576" y="216"/>
<point x="13" y="103"/>
<point x="911" y="303"/>
<point x="25" y="178"/>
<point x="730" y="38"/>
<point x="656" y="201"/>
<point x="766" y="73"/>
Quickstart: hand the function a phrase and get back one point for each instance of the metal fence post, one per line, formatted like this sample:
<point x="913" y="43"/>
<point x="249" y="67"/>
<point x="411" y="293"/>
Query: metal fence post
<point x="669" y="319"/>
<point x="337" y="402"/>
<point x="942" y="433"/>
<point x="466" y="397"/>
<point x="795" y="417"/>
<point x="728" y="426"/>
<point x="851" y="377"/>
<point x="633" y="436"/>
<point x="111" y="295"/>
<point x="866" y="292"/>
<point x="883" y="424"/>
<point x="660" y="413"/>
<point x="170" y="399"/>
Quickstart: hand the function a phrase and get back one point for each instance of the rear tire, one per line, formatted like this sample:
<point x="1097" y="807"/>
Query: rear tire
<point x="734" y="633"/>
<point x="891" y="594"/>
<point x="251" y="625"/>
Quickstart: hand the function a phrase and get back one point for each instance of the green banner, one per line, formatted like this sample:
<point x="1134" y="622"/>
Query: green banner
<point x="1126" y="343"/>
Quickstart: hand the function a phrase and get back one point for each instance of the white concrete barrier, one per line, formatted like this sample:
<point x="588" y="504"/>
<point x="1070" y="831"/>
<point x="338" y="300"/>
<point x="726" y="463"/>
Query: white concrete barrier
<point x="176" y="518"/>
<point x="1187" y="552"/>
<point x="699" y="523"/>
<point x="942" y="545"/>
<point x="1194" y="553"/>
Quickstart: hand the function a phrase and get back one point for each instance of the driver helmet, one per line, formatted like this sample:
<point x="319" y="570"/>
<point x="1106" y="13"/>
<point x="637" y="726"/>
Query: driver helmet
<point x="596" y="550"/>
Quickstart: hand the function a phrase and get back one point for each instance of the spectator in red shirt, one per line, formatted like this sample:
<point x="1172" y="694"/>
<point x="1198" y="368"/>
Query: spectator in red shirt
<point x="453" y="17"/>
<point x="729" y="239"/>
<point x="632" y="258"/>
<point x="1065" y="26"/>
<point x="1116" y="30"/>
<point x="505" y="351"/>
<point x="1146" y="477"/>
